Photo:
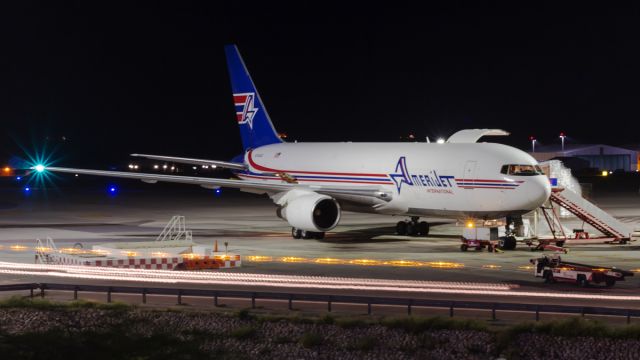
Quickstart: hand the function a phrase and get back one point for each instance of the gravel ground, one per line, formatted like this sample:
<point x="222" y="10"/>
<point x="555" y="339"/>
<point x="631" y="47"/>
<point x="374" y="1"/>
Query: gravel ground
<point x="284" y="339"/>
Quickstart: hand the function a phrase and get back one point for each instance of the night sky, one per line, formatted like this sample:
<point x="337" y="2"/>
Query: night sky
<point x="99" y="80"/>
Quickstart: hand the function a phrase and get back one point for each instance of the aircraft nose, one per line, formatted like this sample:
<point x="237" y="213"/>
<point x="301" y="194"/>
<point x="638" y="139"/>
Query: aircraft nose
<point x="539" y="191"/>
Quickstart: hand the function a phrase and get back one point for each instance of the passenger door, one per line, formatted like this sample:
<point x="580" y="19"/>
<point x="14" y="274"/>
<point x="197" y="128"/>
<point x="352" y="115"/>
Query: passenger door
<point x="469" y="174"/>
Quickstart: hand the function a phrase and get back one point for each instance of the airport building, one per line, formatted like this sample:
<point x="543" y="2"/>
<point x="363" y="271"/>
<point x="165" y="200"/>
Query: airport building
<point x="597" y="156"/>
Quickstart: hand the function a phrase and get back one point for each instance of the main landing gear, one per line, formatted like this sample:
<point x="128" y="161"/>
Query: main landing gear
<point x="304" y="234"/>
<point x="412" y="227"/>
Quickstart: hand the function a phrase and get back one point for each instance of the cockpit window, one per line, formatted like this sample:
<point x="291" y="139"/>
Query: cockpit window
<point x="521" y="170"/>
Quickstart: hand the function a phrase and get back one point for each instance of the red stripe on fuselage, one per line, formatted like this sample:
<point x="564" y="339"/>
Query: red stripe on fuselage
<point x="486" y="187"/>
<point x="314" y="180"/>
<point x="493" y="181"/>
<point x="264" y="168"/>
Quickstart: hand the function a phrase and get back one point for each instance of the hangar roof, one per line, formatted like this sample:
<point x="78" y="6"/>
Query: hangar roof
<point x="584" y="149"/>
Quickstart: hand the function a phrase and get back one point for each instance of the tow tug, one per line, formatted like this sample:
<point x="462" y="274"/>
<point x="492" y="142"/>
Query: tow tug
<point x="552" y="269"/>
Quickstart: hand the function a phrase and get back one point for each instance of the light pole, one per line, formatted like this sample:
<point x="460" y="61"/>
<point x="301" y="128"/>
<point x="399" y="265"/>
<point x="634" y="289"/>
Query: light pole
<point x="533" y="143"/>
<point x="562" y="136"/>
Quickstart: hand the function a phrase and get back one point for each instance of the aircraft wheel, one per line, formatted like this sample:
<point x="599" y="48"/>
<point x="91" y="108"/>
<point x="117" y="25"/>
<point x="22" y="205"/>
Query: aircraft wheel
<point x="464" y="247"/>
<point x="507" y="243"/>
<point x="490" y="248"/>
<point x="412" y="229"/>
<point x="560" y="243"/>
<point x="295" y="233"/>
<point x="319" y="235"/>
<point x="423" y="228"/>
<point x="306" y="234"/>
<point x="609" y="282"/>
<point x="401" y="228"/>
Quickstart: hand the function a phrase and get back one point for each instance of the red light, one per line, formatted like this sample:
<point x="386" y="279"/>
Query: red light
<point x="532" y="138"/>
<point x="562" y="134"/>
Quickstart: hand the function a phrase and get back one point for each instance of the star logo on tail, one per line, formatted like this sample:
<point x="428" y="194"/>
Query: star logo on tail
<point x="245" y="109"/>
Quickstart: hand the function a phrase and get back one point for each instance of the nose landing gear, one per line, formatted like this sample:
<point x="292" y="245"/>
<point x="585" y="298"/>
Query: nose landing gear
<point x="412" y="227"/>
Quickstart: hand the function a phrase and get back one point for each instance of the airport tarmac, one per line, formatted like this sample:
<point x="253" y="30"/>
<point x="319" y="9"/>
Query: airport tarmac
<point x="363" y="246"/>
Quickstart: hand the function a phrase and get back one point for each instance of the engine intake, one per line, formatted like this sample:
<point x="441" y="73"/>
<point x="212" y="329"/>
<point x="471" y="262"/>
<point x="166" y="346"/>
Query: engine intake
<point x="312" y="212"/>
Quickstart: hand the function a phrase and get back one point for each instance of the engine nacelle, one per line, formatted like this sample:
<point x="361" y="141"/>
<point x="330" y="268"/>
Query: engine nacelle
<point x="311" y="212"/>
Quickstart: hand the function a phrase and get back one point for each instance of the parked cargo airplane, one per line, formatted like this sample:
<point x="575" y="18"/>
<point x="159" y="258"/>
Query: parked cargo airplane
<point x="312" y="183"/>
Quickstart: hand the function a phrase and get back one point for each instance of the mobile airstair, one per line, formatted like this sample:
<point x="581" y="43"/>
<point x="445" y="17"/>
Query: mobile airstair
<point x="592" y="215"/>
<point x="566" y="200"/>
<point x="612" y="229"/>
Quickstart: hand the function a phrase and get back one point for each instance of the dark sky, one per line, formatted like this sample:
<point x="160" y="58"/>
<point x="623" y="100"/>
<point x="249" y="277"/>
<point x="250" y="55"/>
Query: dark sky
<point x="115" y="78"/>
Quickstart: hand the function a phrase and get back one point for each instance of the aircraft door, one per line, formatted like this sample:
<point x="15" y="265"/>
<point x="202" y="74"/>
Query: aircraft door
<point x="469" y="173"/>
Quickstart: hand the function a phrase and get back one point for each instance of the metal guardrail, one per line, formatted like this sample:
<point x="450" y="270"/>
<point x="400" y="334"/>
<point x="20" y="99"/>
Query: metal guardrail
<point x="329" y="299"/>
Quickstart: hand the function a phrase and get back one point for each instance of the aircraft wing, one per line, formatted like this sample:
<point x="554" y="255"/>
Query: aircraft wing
<point x="331" y="190"/>
<point x="182" y="160"/>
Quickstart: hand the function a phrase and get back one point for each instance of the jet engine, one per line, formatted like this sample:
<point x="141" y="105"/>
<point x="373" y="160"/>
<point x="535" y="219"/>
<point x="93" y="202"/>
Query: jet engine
<point x="311" y="212"/>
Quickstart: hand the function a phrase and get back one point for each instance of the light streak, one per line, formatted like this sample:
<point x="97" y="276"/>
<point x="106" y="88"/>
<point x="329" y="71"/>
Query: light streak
<point x="403" y="263"/>
<point x="168" y="276"/>
<point x="293" y="259"/>
<point x="361" y="262"/>
<point x="444" y="265"/>
<point x="366" y="262"/>
<point x="287" y="281"/>
<point x="330" y="261"/>
<point x="258" y="258"/>
<point x="492" y="266"/>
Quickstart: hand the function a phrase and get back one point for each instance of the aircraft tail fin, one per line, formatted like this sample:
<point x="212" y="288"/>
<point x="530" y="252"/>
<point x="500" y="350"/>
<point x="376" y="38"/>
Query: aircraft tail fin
<point x="256" y="128"/>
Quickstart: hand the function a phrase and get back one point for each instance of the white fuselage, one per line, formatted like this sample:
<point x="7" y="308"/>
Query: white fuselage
<point x="425" y="179"/>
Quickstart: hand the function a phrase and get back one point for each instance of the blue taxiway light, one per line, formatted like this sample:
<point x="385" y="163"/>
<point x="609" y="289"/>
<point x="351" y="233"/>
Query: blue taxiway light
<point x="27" y="189"/>
<point x="18" y="178"/>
